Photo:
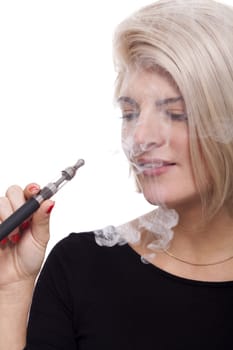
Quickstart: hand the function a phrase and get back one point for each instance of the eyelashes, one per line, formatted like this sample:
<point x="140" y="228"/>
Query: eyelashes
<point x="129" y="116"/>
<point x="177" y="116"/>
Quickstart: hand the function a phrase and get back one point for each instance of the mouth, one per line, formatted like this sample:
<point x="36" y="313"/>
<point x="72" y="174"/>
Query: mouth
<point x="150" y="167"/>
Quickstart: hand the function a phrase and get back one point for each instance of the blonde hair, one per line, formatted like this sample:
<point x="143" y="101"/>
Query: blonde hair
<point x="191" y="40"/>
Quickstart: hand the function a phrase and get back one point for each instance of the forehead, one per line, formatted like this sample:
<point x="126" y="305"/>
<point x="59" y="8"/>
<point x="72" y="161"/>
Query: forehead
<point x="142" y="84"/>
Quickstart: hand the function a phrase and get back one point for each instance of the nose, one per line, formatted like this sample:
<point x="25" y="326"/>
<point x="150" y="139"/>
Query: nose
<point x="151" y="130"/>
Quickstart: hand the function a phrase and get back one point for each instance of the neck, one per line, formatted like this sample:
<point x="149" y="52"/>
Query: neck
<point x="201" y="240"/>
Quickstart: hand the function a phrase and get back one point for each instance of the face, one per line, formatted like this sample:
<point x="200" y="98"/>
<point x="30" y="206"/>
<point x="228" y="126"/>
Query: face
<point x="155" y="138"/>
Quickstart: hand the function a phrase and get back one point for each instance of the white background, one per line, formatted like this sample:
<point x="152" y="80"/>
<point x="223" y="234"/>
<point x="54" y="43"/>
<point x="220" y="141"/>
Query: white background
<point x="56" y="93"/>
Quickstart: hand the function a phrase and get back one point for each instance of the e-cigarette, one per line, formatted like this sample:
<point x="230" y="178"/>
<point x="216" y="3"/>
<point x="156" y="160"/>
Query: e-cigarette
<point x="30" y="206"/>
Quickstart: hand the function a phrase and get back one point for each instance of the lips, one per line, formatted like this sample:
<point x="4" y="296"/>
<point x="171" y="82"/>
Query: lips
<point x="152" y="167"/>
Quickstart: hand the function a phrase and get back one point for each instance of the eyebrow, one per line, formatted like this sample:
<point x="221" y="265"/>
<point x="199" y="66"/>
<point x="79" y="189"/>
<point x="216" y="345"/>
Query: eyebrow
<point x="158" y="103"/>
<point x="167" y="101"/>
<point x="129" y="100"/>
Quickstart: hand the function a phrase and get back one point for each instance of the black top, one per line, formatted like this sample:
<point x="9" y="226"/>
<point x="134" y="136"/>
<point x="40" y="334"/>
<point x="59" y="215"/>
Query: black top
<point x="99" y="298"/>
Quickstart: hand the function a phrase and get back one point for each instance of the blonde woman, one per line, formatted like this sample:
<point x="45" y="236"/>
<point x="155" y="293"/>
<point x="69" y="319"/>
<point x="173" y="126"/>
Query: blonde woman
<point x="164" y="280"/>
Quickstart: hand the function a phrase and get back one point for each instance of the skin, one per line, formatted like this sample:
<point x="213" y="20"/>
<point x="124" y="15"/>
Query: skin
<point x="152" y="133"/>
<point x="152" y="130"/>
<point x="20" y="263"/>
<point x="160" y="125"/>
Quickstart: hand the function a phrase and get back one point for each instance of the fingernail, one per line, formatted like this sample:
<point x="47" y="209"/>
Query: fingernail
<point x="33" y="188"/>
<point x="25" y="225"/>
<point x="50" y="208"/>
<point x="15" y="238"/>
<point x="4" y="241"/>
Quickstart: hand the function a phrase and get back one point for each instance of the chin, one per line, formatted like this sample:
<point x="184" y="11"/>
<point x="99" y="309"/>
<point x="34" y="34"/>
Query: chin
<point x="171" y="200"/>
<point x="172" y="194"/>
<point x="155" y="190"/>
<point x="155" y="198"/>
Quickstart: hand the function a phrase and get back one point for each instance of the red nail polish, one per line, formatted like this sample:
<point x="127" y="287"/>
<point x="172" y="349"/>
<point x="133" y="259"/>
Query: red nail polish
<point x="15" y="238"/>
<point x="25" y="225"/>
<point x="50" y="208"/>
<point x="4" y="241"/>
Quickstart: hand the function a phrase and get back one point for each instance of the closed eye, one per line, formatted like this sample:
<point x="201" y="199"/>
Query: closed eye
<point x="129" y="108"/>
<point x="177" y="116"/>
<point x="128" y="116"/>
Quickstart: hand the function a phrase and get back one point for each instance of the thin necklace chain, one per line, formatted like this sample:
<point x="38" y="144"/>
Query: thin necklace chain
<point x="196" y="264"/>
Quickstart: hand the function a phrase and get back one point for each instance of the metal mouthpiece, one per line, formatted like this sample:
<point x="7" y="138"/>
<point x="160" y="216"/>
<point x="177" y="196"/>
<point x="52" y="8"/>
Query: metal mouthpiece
<point x="69" y="172"/>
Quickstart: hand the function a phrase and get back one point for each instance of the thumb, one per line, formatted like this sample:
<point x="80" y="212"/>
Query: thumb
<point x="40" y="223"/>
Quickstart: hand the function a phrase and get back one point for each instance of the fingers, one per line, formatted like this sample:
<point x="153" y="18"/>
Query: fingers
<point x="15" y="197"/>
<point x="31" y="189"/>
<point x="38" y="225"/>
<point x="12" y="201"/>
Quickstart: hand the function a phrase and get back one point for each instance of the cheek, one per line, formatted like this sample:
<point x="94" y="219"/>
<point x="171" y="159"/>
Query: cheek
<point x="127" y="140"/>
<point x="179" y="143"/>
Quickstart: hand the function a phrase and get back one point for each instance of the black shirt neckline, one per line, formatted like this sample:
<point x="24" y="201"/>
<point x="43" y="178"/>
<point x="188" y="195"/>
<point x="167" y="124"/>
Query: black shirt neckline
<point x="179" y="279"/>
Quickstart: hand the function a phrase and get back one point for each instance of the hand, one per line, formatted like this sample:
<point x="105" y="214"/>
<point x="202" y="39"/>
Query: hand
<point x="22" y="252"/>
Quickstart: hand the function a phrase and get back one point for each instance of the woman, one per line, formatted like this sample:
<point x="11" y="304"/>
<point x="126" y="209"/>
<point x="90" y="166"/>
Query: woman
<point x="175" y="77"/>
